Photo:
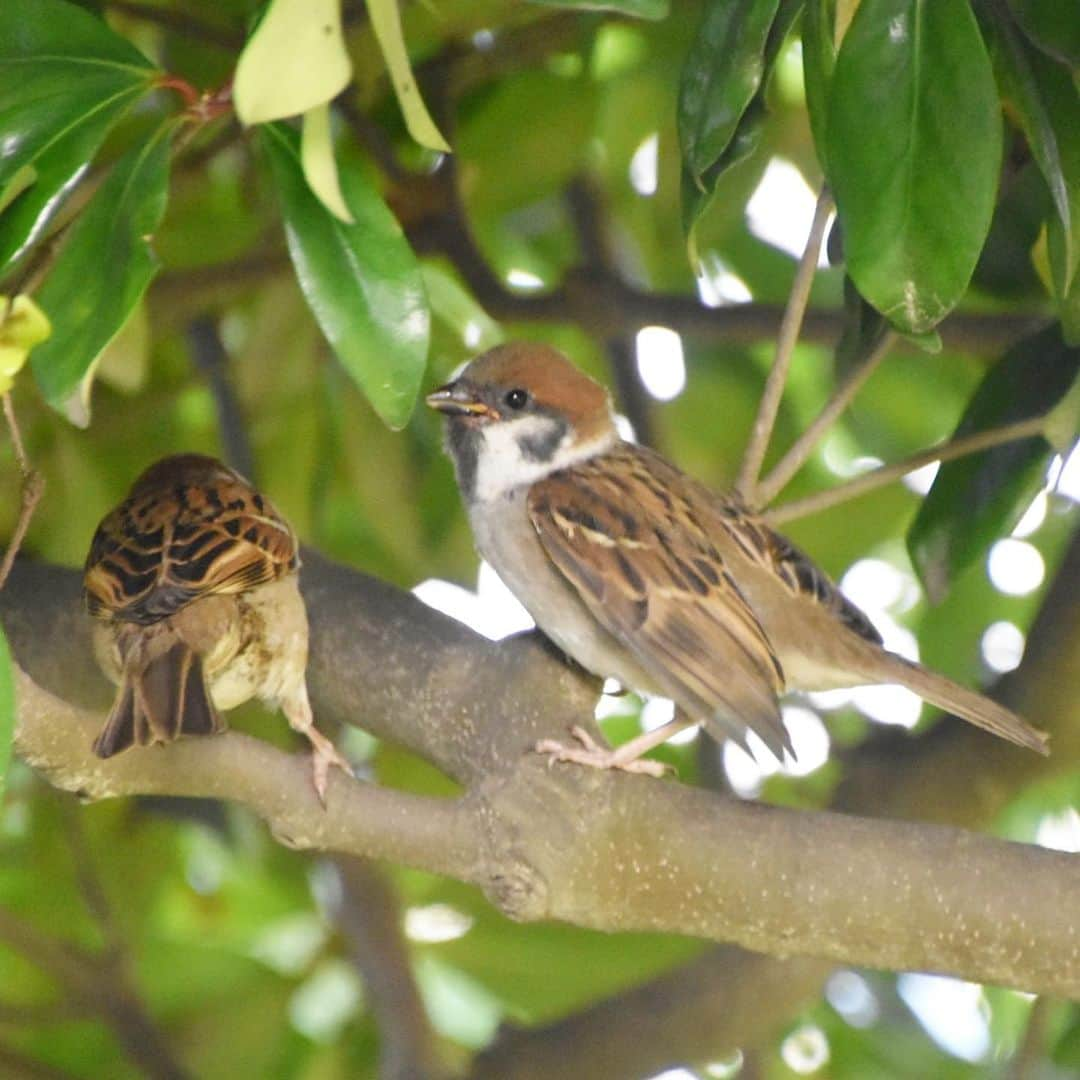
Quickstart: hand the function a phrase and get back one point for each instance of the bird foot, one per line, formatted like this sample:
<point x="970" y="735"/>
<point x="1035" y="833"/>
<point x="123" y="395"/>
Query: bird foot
<point x="324" y="754"/>
<point x="594" y="756"/>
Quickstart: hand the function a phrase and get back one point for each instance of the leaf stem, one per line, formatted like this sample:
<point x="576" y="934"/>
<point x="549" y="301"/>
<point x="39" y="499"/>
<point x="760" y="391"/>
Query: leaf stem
<point x="33" y="487"/>
<point x="886" y="474"/>
<point x="790" y="325"/>
<point x="803" y="447"/>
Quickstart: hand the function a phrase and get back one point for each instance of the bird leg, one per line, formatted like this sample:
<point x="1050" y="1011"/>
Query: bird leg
<point x="324" y="754"/>
<point x="626" y="758"/>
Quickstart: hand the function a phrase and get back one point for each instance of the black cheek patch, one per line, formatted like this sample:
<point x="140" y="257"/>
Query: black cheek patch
<point x="540" y="446"/>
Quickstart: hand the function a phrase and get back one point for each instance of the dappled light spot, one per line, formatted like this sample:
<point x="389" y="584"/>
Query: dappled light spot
<point x="809" y="739"/>
<point x="1016" y="568"/>
<point x="324" y="1003"/>
<point x="805" y="1050"/>
<point x="921" y="480"/>
<point x="724" y="1068"/>
<point x="1033" y="517"/>
<point x="875" y="585"/>
<point x="492" y="610"/>
<point x="657" y="712"/>
<point x="852" y="997"/>
<point x="1065" y="478"/>
<point x="290" y="944"/>
<point x="1060" y="831"/>
<point x="952" y="1012"/>
<point x="434" y="923"/>
<point x="643" y="171"/>
<point x="781" y="209"/>
<point x="660" y="362"/>
<point x="524" y="279"/>
<point x="717" y="284"/>
<point x="1002" y="646"/>
<point x="888" y="703"/>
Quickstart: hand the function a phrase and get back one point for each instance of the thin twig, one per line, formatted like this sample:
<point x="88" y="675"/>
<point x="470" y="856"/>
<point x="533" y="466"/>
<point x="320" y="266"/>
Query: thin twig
<point x="803" y="446"/>
<point x="790" y="326"/>
<point x="33" y="487"/>
<point x="886" y="474"/>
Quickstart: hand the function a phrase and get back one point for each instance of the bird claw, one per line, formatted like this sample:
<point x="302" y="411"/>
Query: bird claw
<point x="325" y="754"/>
<point x="594" y="756"/>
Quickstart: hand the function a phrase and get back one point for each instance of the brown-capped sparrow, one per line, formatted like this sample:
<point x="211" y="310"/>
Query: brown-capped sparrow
<point x="642" y="574"/>
<point x="193" y="582"/>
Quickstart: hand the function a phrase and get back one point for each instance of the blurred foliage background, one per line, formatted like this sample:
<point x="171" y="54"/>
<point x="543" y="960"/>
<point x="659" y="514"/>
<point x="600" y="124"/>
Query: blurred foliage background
<point x="562" y="215"/>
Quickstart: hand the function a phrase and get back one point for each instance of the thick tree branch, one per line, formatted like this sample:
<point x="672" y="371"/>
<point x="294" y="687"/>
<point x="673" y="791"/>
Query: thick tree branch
<point x="610" y="852"/>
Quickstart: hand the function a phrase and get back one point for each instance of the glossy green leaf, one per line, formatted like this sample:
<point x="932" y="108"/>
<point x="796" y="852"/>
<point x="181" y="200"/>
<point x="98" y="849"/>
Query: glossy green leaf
<point x="361" y="281"/>
<point x="59" y="67"/>
<point x="977" y="499"/>
<point x="1047" y="106"/>
<point x="101" y="272"/>
<point x="638" y="9"/>
<point x="56" y="171"/>
<point x="698" y="188"/>
<point x="722" y="73"/>
<point x="914" y="148"/>
<point x="1053" y="25"/>
<point x="7" y="708"/>
<point x="819" y="61"/>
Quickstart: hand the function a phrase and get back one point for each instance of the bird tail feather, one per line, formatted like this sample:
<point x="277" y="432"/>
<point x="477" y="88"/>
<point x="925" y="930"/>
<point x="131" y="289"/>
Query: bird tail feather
<point x="969" y="705"/>
<point x="164" y="700"/>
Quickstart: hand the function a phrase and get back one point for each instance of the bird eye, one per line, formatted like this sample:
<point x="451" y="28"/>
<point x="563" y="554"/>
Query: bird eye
<point x="516" y="399"/>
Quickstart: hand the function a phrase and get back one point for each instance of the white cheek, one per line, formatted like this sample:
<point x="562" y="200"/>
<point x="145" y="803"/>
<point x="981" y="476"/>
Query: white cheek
<point x="501" y="466"/>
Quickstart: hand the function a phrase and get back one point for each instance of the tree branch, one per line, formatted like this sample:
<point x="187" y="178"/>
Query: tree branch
<point x="599" y="850"/>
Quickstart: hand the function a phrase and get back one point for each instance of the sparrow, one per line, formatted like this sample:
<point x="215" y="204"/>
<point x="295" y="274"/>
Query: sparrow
<point x="193" y="583"/>
<point x="642" y="574"/>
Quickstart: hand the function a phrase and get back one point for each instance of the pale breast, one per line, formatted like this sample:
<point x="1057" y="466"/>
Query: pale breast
<point x="505" y="537"/>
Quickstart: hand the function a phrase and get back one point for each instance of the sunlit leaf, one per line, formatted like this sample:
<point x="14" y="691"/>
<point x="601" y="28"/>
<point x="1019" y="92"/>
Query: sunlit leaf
<point x="317" y="161"/>
<point x="914" y="148"/>
<point x="455" y="306"/>
<point x="1054" y="25"/>
<point x="22" y="326"/>
<point x="640" y="9"/>
<point x="7" y="708"/>
<point x="361" y="281"/>
<point x="60" y="67"/>
<point x="386" y="22"/>
<point x="295" y="60"/>
<point x="977" y="499"/>
<point x="103" y="269"/>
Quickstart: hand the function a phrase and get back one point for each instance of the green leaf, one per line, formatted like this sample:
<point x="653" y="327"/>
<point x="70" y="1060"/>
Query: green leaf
<point x="57" y="170"/>
<point x="7" y="708"/>
<point x="1053" y="25"/>
<point x="102" y="272"/>
<point x="914" y="148"/>
<point x="698" y="189"/>
<point x="1045" y="102"/>
<point x="722" y="73"/>
<point x="819" y="61"/>
<point x="977" y="499"/>
<point x="653" y="10"/>
<point x="295" y="60"/>
<point x="59" y="66"/>
<point x="361" y="281"/>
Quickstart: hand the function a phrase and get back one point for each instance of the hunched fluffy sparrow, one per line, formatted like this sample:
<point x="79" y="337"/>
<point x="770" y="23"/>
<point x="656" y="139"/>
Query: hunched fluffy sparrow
<point x="193" y="580"/>
<point x="643" y="575"/>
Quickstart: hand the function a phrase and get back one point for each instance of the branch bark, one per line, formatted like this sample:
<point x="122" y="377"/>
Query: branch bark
<point x="599" y="850"/>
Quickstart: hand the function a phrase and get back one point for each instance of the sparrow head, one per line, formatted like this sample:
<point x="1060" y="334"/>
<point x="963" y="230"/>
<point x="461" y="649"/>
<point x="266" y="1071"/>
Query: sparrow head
<point x="184" y="469"/>
<point x="519" y="412"/>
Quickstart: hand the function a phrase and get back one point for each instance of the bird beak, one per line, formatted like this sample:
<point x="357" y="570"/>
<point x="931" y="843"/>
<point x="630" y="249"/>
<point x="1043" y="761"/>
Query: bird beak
<point x="456" y="399"/>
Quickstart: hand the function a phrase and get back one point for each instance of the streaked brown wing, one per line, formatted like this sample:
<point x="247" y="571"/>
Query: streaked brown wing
<point x="195" y="530"/>
<point x="634" y="546"/>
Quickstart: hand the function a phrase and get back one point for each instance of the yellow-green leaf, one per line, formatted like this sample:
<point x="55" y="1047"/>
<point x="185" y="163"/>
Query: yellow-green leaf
<point x="386" y="22"/>
<point x="22" y="326"/>
<point x="295" y="60"/>
<point x="317" y="161"/>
